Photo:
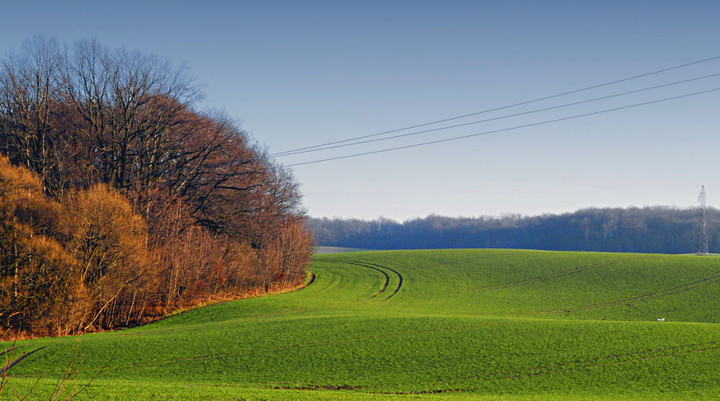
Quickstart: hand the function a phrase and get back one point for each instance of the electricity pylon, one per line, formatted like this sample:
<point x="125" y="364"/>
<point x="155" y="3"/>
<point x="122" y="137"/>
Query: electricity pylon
<point x="702" y="226"/>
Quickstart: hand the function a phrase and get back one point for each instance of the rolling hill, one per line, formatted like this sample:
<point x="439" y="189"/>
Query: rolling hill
<point x="450" y="324"/>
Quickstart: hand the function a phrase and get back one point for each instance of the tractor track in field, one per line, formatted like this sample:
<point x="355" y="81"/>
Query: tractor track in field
<point x="544" y="277"/>
<point x="312" y="280"/>
<point x="399" y="276"/>
<point x="382" y="269"/>
<point x="221" y="356"/>
<point x="384" y="284"/>
<point x="640" y="298"/>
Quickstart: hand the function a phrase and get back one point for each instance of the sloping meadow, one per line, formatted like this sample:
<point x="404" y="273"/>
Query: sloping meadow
<point x="452" y="324"/>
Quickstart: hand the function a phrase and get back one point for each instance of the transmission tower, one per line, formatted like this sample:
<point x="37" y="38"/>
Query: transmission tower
<point x="702" y="226"/>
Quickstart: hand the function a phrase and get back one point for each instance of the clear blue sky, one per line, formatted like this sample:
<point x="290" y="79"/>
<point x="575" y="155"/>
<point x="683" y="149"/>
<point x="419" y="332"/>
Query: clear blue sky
<point x="299" y="73"/>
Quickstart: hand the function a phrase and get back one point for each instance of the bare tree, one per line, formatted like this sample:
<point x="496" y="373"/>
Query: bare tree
<point x="28" y="92"/>
<point x="113" y="93"/>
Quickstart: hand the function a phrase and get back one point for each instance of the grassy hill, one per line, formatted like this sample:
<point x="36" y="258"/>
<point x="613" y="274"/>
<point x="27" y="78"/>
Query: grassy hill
<point x="454" y="324"/>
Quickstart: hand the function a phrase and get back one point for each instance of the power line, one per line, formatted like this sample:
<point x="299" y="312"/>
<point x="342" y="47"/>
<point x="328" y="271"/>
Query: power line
<point x="501" y="107"/>
<point x="318" y="149"/>
<point x="507" y="129"/>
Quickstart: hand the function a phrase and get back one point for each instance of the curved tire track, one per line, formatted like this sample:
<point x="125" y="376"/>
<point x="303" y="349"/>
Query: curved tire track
<point x="385" y="283"/>
<point x="399" y="276"/>
<point x="382" y="269"/>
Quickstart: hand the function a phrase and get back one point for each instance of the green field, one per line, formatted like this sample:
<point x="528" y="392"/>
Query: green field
<point x="429" y="325"/>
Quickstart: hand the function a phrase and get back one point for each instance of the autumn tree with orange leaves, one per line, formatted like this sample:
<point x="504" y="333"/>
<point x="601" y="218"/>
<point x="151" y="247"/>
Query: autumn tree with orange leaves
<point x="121" y="201"/>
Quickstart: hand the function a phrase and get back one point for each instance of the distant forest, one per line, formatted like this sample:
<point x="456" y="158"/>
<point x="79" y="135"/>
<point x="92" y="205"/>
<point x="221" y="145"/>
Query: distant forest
<point x="647" y="230"/>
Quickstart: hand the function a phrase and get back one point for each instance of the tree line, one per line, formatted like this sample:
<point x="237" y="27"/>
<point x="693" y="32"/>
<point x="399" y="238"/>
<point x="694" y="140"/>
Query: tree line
<point x="646" y="230"/>
<point x="120" y="201"/>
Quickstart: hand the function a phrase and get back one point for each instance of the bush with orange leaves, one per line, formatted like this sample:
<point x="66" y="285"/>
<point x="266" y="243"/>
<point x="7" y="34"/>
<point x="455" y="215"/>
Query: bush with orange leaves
<point x="35" y="269"/>
<point x="72" y="266"/>
<point x="115" y="271"/>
